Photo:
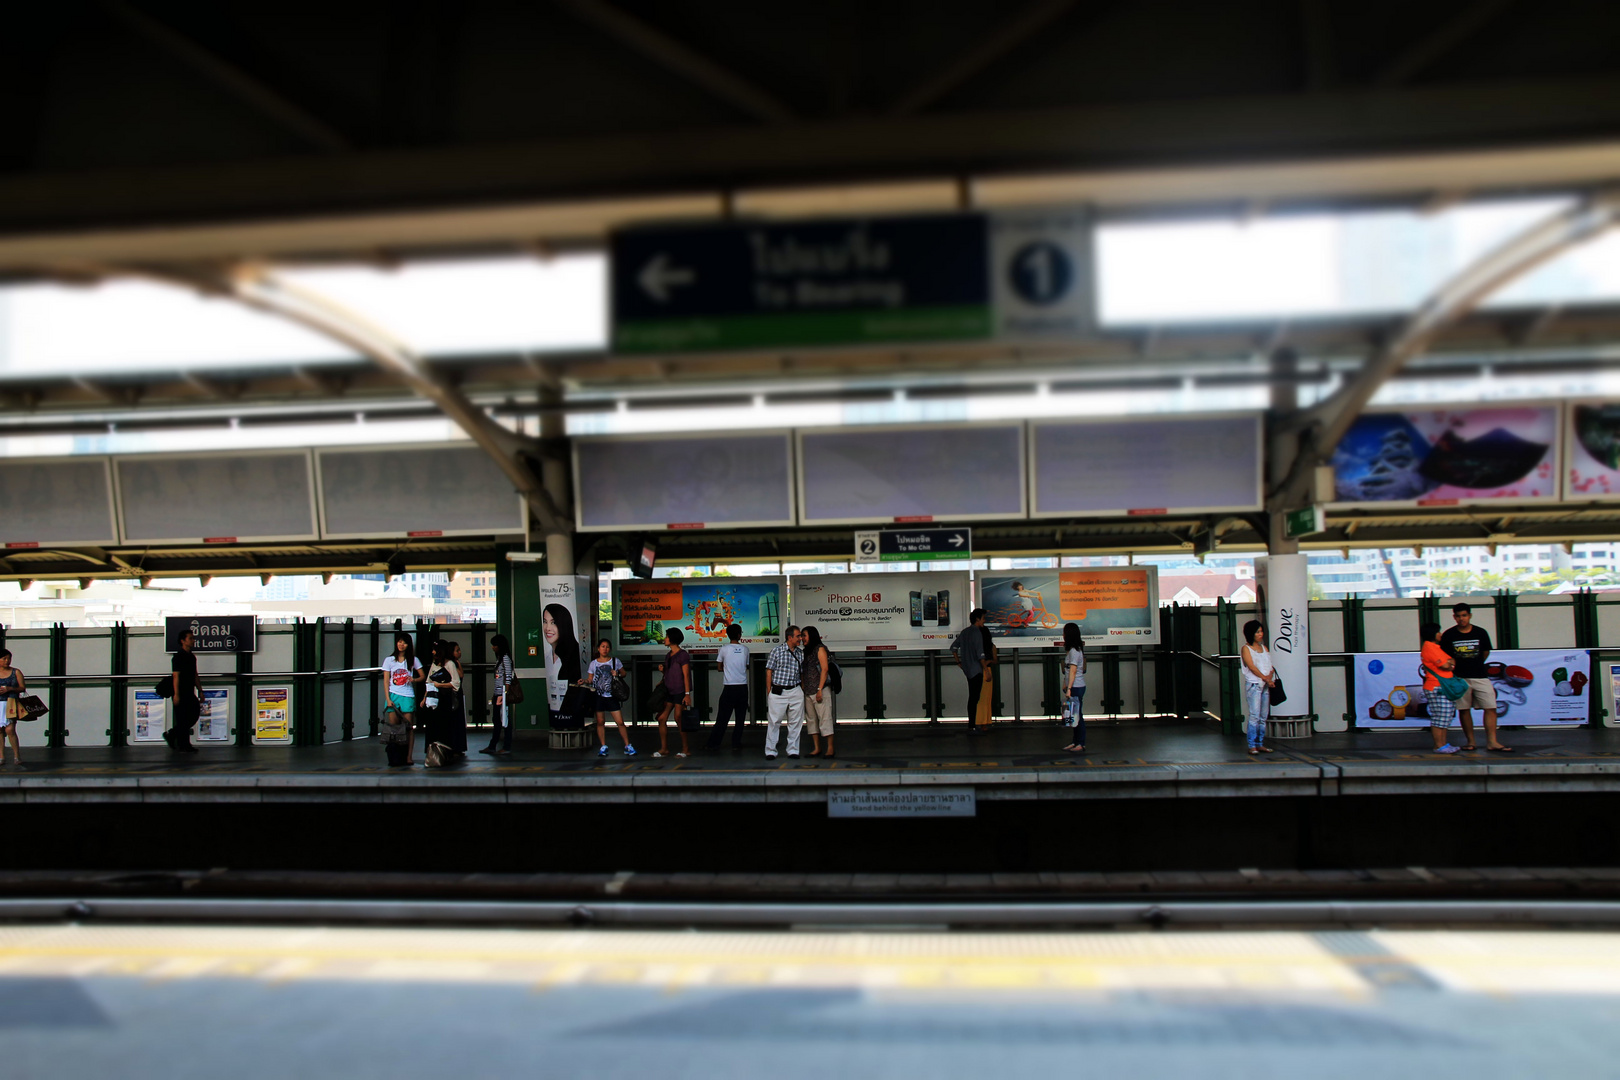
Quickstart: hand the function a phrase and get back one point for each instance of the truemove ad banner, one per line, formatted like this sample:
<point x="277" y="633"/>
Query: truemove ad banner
<point x="702" y="608"/>
<point x="1113" y="605"/>
<point x="1533" y="687"/>
<point x="884" y="611"/>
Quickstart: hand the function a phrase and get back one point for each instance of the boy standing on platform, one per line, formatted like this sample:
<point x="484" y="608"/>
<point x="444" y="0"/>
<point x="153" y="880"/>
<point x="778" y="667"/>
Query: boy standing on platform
<point x="1469" y="646"/>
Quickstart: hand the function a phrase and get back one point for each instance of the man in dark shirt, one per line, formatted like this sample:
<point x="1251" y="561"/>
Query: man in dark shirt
<point x="1469" y="646"/>
<point x="187" y="703"/>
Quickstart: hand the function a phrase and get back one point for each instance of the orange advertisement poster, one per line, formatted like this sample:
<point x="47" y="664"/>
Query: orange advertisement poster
<point x="1080" y="593"/>
<point x="643" y="600"/>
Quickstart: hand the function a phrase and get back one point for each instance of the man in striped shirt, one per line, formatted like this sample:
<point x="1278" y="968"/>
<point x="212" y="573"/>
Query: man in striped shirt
<point x="786" y="698"/>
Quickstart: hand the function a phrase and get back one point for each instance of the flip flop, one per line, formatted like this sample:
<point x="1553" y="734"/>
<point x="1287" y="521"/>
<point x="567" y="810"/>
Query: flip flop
<point x="1499" y="749"/>
<point x="1470" y="746"/>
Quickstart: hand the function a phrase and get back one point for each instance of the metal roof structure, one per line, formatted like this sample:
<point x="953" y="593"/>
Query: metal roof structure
<point x="185" y="140"/>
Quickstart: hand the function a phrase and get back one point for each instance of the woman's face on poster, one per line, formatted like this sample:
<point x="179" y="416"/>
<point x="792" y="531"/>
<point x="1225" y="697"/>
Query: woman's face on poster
<point x="548" y="627"/>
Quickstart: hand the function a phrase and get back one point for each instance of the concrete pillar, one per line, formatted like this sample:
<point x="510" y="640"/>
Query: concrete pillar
<point x="554" y="475"/>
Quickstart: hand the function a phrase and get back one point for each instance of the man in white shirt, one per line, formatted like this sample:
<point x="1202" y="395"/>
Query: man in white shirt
<point x="733" y="660"/>
<point x="786" y="698"/>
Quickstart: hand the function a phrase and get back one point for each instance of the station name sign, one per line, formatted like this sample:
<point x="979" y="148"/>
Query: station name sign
<point x="213" y="633"/>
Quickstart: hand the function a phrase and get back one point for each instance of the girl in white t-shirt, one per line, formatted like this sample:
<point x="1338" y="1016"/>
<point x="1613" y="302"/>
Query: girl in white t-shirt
<point x="1074" y="687"/>
<point x="599" y="676"/>
<point x="402" y="673"/>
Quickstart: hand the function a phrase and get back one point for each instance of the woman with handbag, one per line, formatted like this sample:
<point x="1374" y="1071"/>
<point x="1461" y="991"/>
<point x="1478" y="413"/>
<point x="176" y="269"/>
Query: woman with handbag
<point x="1436" y="667"/>
<point x="1258" y="679"/>
<point x="12" y="688"/>
<point x="500" y="736"/>
<point x="446" y="741"/>
<point x="606" y="676"/>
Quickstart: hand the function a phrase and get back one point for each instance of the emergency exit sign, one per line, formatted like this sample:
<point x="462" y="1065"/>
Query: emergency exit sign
<point x="1304" y="522"/>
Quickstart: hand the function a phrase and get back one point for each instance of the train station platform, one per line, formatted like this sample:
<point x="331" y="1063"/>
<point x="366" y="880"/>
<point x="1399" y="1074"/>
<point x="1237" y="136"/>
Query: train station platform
<point x="1153" y="759"/>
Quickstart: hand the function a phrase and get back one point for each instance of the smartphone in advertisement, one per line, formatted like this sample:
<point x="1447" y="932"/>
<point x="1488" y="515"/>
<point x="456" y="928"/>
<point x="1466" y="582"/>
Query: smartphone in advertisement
<point x="916" y="609"/>
<point x="930" y="607"/>
<point x="944" y="607"/>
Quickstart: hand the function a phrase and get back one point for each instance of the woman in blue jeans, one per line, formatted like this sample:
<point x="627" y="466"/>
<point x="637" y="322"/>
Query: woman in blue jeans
<point x="1074" y="687"/>
<point x="1258" y="678"/>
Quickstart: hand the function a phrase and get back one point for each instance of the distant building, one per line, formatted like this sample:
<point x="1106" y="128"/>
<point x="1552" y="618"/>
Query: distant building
<point x="1205" y="588"/>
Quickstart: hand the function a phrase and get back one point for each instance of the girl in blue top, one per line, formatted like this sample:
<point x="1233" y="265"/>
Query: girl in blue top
<point x="12" y="687"/>
<point x="599" y="676"/>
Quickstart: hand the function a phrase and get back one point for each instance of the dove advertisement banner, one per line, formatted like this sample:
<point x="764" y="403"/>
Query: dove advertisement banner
<point x="1534" y="687"/>
<point x="1449" y="457"/>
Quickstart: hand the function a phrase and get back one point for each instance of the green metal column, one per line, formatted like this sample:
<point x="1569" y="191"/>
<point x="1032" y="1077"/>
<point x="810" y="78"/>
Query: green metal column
<point x="1355" y="622"/>
<point x="1428" y="609"/>
<point x="1051" y="683"/>
<point x="117" y="712"/>
<point x="1231" y="675"/>
<point x="1585" y="611"/>
<point x="874" y="688"/>
<point x="1507" y="621"/>
<point x="244" y="699"/>
<point x="1113" y="699"/>
<point x="760" y="708"/>
<point x="477" y="691"/>
<point x="348" y="681"/>
<point x="56" y="731"/>
<point x="700" y="691"/>
<point x="372" y="660"/>
<point x="1164" y="672"/>
<point x="517" y="610"/>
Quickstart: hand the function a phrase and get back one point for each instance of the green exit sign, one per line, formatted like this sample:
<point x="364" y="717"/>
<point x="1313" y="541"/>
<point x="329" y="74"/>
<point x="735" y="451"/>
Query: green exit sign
<point x="1297" y="523"/>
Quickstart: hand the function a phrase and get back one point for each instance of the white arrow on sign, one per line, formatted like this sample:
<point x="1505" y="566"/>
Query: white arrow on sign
<point x="658" y="277"/>
<point x="957" y="541"/>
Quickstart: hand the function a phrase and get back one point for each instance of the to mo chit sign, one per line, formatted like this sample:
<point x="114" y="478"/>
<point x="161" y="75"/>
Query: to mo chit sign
<point x="212" y="634"/>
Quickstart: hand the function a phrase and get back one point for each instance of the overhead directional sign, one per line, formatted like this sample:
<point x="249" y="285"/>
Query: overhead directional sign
<point x="821" y="282"/>
<point x="938" y="277"/>
<point x="912" y="545"/>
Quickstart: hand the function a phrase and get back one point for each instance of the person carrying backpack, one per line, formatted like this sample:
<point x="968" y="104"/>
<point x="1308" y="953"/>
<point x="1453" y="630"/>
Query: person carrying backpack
<point x="818" y="695"/>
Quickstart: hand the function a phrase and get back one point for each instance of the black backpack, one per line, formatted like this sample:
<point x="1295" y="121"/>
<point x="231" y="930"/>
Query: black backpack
<point x="835" y="674"/>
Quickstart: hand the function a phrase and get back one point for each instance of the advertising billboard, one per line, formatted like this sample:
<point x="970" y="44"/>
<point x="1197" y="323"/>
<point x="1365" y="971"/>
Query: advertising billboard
<point x="1533" y="687"/>
<point x="1114" y="605"/>
<point x="702" y="608"/>
<point x="1593" y="452"/>
<point x="1449" y="457"/>
<point x="884" y="611"/>
<point x="568" y="610"/>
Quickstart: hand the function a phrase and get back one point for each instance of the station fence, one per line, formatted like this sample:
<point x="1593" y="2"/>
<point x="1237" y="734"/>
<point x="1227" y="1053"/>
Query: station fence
<point x="85" y="673"/>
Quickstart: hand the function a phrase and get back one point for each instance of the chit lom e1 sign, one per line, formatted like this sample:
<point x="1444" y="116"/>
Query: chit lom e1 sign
<point x="1113" y="605"/>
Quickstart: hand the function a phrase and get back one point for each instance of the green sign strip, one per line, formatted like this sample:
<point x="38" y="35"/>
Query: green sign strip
<point x="803" y="329"/>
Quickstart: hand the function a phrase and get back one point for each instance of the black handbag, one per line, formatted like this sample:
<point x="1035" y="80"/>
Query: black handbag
<point x="1277" y="694"/>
